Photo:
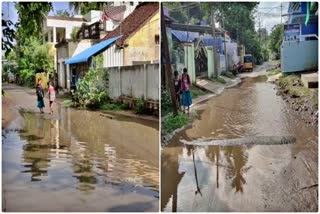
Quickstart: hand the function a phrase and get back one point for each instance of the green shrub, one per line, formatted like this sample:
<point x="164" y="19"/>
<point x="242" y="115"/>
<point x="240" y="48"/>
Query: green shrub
<point x="219" y="79"/>
<point x="140" y="107"/>
<point x="114" y="106"/>
<point x="196" y="92"/>
<point x="172" y="123"/>
<point x="91" y="92"/>
<point x="274" y="71"/>
<point x="166" y="104"/>
<point x="228" y="74"/>
<point x="67" y="103"/>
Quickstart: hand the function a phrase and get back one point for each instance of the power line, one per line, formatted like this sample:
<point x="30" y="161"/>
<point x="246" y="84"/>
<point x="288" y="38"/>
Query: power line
<point x="184" y="7"/>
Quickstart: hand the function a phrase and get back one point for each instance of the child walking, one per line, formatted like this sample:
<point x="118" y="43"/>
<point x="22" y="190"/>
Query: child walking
<point x="52" y="96"/>
<point x="40" y="96"/>
<point x="185" y="87"/>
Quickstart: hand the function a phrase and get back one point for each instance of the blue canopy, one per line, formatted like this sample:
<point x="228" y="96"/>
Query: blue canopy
<point x="92" y="51"/>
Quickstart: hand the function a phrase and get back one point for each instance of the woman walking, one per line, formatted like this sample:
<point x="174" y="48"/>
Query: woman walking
<point x="40" y="96"/>
<point x="52" y="96"/>
<point x="185" y="87"/>
<point x="177" y="87"/>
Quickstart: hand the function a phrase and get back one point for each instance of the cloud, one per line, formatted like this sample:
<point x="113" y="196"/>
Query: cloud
<point x="270" y="14"/>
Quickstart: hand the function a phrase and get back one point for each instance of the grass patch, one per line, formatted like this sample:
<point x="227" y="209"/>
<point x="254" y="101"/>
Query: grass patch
<point x="219" y="79"/>
<point x="172" y="123"/>
<point x="274" y="71"/>
<point x="197" y="92"/>
<point x="114" y="107"/>
<point x="67" y="103"/>
<point x="228" y="74"/>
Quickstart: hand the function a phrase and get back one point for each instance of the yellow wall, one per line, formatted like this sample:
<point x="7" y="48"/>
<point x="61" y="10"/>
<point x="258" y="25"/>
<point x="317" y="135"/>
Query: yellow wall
<point x="142" y="45"/>
<point x="44" y="79"/>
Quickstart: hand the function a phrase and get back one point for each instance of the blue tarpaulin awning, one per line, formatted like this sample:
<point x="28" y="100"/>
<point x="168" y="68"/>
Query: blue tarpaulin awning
<point x="92" y="51"/>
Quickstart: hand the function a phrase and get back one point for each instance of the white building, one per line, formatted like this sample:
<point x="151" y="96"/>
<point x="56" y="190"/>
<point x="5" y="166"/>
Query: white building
<point x="92" y="27"/>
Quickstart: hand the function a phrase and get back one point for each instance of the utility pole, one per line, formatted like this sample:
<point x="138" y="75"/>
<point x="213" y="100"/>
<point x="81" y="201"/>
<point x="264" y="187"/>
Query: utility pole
<point x="281" y="12"/>
<point x="168" y="66"/>
<point x="215" y="67"/>
<point x="260" y="27"/>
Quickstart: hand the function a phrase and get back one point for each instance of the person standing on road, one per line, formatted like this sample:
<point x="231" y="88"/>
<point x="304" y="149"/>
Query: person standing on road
<point x="52" y="96"/>
<point x="40" y="96"/>
<point x="185" y="87"/>
<point x="177" y="87"/>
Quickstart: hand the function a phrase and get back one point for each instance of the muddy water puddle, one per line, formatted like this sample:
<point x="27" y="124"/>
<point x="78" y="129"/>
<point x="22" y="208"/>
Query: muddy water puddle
<point x="81" y="161"/>
<point x="235" y="178"/>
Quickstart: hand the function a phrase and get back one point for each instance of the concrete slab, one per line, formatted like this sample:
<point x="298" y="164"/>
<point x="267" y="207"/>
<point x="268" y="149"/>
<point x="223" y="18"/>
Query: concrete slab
<point x="216" y="87"/>
<point x="310" y="80"/>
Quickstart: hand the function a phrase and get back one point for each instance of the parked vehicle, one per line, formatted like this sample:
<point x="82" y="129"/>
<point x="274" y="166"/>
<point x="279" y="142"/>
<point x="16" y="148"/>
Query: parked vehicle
<point x="248" y="62"/>
<point x="238" y="68"/>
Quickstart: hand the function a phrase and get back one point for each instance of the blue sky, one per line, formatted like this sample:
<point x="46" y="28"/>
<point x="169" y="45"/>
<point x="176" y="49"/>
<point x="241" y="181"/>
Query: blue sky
<point x="270" y="13"/>
<point x="9" y="11"/>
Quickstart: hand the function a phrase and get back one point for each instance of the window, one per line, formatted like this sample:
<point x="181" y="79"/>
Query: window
<point x="156" y="39"/>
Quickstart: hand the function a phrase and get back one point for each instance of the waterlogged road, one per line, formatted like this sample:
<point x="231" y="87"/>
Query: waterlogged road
<point x="275" y="177"/>
<point x="80" y="161"/>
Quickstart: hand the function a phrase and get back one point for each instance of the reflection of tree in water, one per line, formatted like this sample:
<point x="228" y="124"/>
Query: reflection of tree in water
<point x="237" y="159"/>
<point x="36" y="150"/>
<point x="83" y="169"/>
<point x="170" y="176"/>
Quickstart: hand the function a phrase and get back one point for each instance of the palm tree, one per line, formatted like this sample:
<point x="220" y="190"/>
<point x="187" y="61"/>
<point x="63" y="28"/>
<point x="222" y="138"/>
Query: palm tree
<point x="84" y="7"/>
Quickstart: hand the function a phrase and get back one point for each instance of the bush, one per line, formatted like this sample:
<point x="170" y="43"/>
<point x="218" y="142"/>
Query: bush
<point x="91" y="92"/>
<point x="67" y="103"/>
<point x="172" y="123"/>
<point x="219" y="79"/>
<point x="166" y="104"/>
<point x="114" y="106"/>
<point x="140" y="107"/>
<point x="196" y="92"/>
<point x="228" y="74"/>
<point x="274" y="71"/>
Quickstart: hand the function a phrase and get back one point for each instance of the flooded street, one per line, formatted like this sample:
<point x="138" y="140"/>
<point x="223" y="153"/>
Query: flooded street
<point x="242" y="177"/>
<point x="79" y="160"/>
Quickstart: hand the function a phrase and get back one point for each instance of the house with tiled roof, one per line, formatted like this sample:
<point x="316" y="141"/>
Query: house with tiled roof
<point x="139" y="43"/>
<point x="92" y="27"/>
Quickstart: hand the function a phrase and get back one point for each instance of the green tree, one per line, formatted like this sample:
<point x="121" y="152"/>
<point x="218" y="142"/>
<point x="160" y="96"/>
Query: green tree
<point x="74" y="33"/>
<point x="8" y="34"/>
<point x="275" y="40"/>
<point x="34" y="58"/>
<point x="84" y="7"/>
<point x="62" y="13"/>
<point x="238" y="19"/>
<point x="32" y="55"/>
<point x="31" y="16"/>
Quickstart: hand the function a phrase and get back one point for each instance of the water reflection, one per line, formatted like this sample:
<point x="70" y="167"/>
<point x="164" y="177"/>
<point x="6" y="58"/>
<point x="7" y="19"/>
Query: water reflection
<point x="236" y="158"/>
<point x="81" y="151"/>
<point x="229" y="178"/>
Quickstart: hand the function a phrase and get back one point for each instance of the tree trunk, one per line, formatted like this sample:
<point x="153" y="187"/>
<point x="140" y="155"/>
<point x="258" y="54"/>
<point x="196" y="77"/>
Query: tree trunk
<point x="168" y="65"/>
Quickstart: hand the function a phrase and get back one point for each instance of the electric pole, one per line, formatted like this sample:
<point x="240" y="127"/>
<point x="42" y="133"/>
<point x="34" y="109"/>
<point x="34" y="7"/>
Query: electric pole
<point x="168" y="66"/>
<point x="260" y="27"/>
<point x="215" y="67"/>
<point x="281" y="12"/>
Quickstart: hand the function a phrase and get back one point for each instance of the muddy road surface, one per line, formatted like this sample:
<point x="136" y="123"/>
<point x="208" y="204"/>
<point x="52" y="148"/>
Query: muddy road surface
<point x="78" y="160"/>
<point x="254" y="177"/>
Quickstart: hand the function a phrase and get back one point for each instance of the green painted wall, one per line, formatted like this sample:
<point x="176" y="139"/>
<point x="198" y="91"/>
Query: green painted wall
<point x="189" y="61"/>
